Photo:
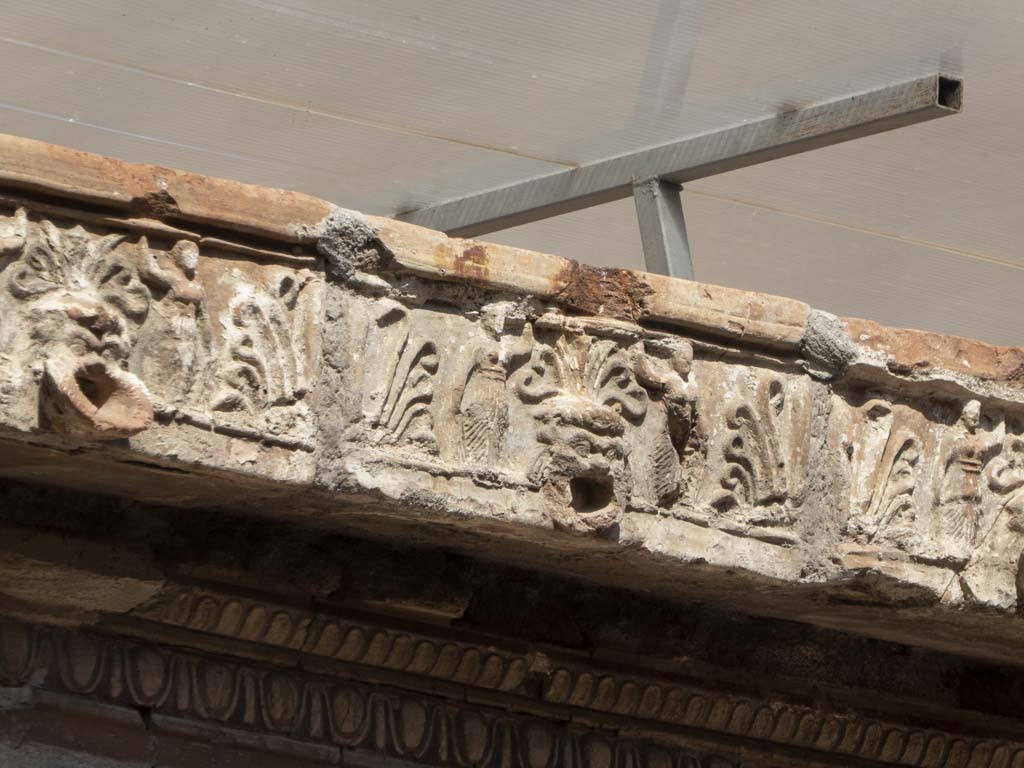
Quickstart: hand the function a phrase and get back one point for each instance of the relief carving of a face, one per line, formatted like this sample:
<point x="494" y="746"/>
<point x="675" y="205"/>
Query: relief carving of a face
<point x="73" y="301"/>
<point x="584" y="394"/>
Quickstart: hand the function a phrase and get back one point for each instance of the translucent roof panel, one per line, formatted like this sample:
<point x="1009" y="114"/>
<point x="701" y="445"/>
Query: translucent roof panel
<point x="390" y="105"/>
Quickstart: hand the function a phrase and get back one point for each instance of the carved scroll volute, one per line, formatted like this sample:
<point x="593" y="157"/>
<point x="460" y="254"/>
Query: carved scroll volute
<point x="73" y="303"/>
<point x="583" y="394"/>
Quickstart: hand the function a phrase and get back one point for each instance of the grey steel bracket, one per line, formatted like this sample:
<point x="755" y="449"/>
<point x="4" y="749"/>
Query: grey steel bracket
<point x="659" y="212"/>
<point x="696" y="157"/>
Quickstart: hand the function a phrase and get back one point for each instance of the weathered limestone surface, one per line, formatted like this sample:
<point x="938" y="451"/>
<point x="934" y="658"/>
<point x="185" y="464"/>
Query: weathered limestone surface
<point x="198" y="342"/>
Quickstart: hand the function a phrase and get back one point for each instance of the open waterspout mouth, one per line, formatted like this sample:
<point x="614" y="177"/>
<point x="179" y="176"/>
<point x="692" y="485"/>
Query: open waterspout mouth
<point x="90" y="397"/>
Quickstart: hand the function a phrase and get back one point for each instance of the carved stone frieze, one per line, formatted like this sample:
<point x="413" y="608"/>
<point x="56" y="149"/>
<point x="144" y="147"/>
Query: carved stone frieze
<point x="963" y="454"/>
<point x="1007" y="479"/>
<point x="398" y="381"/>
<point x="355" y="371"/>
<point x="562" y="680"/>
<point x="103" y="331"/>
<point x="338" y="710"/>
<point x="340" y="640"/>
<point x="760" y="455"/>
<point x="884" y="474"/>
<point x="602" y="419"/>
<point x="306" y="707"/>
<point x="598" y="418"/>
<point x="264" y="373"/>
<point x="74" y="305"/>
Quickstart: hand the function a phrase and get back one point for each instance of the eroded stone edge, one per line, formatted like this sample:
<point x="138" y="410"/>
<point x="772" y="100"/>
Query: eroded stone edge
<point x="899" y="355"/>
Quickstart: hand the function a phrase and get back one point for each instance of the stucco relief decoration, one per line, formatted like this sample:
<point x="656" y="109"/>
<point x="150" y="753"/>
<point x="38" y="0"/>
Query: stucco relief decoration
<point x="614" y="419"/>
<point x="594" y="416"/>
<point x="964" y="452"/>
<point x="996" y="566"/>
<point x="103" y="333"/>
<point x="1007" y="480"/>
<point x="583" y="394"/>
<point x="668" y="449"/>
<point x="263" y="372"/>
<point x="885" y="472"/>
<point x="522" y="406"/>
<point x="399" y="380"/>
<point x="481" y="397"/>
<point x="602" y="419"/>
<point x="938" y="488"/>
<point x="73" y="305"/>
<point x="760" y="457"/>
<point x="176" y="362"/>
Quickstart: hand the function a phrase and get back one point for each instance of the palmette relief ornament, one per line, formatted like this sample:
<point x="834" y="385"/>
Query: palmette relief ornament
<point x="398" y="383"/>
<point x="263" y="375"/>
<point x="759" y="460"/>
<point x="885" y="469"/>
<point x="891" y="513"/>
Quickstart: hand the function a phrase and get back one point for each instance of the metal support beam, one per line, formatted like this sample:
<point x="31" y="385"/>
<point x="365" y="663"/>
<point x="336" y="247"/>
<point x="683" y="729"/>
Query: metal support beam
<point x="696" y="157"/>
<point x="659" y="211"/>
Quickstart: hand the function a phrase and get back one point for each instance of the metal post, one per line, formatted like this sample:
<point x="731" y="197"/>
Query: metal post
<point x="659" y="211"/>
<point x="696" y="157"/>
